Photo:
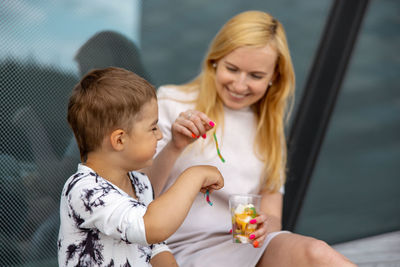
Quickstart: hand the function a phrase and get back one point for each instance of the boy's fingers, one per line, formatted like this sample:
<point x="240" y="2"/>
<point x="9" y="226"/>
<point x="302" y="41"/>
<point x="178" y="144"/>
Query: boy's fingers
<point x="220" y="183"/>
<point x="216" y="186"/>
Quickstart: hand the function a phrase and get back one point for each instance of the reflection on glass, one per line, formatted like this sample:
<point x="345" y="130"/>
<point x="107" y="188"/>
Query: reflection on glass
<point x="354" y="189"/>
<point x="37" y="73"/>
<point x="175" y="37"/>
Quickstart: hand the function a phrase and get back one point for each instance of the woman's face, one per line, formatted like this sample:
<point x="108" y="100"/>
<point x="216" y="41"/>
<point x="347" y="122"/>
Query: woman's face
<point x="242" y="77"/>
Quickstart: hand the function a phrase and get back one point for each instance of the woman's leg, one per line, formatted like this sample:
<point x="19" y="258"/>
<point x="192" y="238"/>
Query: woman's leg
<point x="288" y="249"/>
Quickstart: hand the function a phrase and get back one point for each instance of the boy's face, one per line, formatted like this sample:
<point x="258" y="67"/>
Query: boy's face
<point x="142" y="140"/>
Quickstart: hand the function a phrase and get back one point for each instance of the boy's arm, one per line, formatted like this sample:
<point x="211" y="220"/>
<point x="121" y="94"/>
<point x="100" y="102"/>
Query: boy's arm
<point x="165" y="214"/>
<point x="164" y="259"/>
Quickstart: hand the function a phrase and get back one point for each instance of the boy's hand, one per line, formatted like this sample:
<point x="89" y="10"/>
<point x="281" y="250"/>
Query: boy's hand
<point x="189" y="126"/>
<point x="211" y="177"/>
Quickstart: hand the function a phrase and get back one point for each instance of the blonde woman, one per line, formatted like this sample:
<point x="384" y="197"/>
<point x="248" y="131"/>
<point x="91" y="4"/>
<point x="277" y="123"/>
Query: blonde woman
<point x="242" y="94"/>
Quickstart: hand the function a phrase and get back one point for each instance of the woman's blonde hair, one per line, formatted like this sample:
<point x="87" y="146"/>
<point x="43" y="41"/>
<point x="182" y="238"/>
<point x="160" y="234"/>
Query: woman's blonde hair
<point x="256" y="29"/>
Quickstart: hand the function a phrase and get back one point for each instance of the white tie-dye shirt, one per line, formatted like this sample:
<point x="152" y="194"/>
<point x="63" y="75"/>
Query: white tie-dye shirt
<point x="101" y="225"/>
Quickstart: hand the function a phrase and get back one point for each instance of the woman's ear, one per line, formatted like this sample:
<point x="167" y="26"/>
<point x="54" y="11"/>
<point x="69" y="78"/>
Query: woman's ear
<point x="118" y="139"/>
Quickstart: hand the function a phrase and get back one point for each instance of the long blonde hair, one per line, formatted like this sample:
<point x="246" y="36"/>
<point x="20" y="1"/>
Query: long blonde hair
<point x="257" y="29"/>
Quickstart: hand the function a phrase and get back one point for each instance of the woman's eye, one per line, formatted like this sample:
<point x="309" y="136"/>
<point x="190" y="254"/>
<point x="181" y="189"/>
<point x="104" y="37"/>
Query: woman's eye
<point x="231" y="69"/>
<point x="256" y="76"/>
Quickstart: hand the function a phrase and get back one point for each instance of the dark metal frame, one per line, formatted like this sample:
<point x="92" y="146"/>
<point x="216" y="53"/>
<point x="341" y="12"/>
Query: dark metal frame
<point x="318" y="101"/>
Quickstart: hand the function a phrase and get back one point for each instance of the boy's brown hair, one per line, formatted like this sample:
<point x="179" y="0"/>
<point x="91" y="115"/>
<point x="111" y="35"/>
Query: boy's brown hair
<point x="103" y="101"/>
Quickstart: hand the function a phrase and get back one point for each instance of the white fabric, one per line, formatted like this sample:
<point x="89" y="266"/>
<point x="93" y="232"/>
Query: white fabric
<point x="101" y="224"/>
<point x="204" y="239"/>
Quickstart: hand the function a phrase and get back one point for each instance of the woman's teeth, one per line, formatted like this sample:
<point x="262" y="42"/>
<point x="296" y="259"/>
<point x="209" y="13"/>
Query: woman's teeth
<point x="236" y="95"/>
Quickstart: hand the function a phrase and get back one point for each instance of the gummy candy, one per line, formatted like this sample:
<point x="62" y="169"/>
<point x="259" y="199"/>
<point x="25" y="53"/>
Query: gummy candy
<point x="241" y="218"/>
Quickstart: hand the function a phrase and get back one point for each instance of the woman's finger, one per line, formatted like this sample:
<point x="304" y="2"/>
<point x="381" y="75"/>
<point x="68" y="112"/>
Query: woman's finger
<point x="261" y="218"/>
<point x="260" y="232"/>
<point x="206" y="121"/>
<point x="196" y="120"/>
<point x="258" y="237"/>
<point x="182" y="130"/>
<point x="201" y="122"/>
<point x="189" y="124"/>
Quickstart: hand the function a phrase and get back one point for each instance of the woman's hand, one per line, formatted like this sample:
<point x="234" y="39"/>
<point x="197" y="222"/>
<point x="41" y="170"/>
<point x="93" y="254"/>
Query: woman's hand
<point x="269" y="219"/>
<point x="189" y="126"/>
<point x="265" y="225"/>
<point x="260" y="234"/>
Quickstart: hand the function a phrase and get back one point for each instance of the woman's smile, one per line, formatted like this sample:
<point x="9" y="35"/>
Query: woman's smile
<point x="243" y="75"/>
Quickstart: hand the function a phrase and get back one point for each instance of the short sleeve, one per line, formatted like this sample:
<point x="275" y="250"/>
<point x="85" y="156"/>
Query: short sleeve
<point x="171" y="102"/>
<point x="96" y="203"/>
<point x="165" y="117"/>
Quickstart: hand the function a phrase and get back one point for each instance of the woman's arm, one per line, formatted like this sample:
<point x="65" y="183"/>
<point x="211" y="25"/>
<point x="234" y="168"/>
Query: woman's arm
<point x="270" y="219"/>
<point x="271" y="206"/>
<point x="159" y="171"/>
<point x="187" y="128"/>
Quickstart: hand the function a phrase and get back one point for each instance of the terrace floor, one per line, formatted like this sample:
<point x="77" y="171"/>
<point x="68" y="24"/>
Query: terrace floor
<point x="376" y="251"/>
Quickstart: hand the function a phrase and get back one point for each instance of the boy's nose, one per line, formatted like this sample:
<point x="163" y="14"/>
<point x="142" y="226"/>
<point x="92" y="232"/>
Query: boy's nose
<point x="159" y="135"/>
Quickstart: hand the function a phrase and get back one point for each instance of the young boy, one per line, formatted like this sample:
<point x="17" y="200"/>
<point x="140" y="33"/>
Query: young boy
<point x="108" y="216"/>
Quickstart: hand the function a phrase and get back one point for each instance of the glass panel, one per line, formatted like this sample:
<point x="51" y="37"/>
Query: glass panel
<point x="38" y="68"/>
<point x="40" y="63"/>
<point x="355" y="187"/>
<point x="176" y="34"/>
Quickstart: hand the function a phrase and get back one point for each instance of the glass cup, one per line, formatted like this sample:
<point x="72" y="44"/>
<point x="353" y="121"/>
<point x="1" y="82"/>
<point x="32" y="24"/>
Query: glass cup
<point x="244" y="208"/>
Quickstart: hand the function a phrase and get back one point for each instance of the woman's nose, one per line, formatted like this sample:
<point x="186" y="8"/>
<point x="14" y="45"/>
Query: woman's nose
<point x="240" y="82"/>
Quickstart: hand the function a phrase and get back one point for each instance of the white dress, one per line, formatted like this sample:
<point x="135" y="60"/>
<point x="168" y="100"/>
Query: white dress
<point x="101" y="225"/>
<point x="204" y="239"/>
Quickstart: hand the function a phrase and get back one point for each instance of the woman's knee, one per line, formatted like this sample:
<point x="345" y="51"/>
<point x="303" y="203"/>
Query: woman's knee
<point x="317" y="252"/>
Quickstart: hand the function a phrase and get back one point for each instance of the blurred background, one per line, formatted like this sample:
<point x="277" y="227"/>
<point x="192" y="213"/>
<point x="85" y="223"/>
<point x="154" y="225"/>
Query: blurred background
<point x="47" y="45"/>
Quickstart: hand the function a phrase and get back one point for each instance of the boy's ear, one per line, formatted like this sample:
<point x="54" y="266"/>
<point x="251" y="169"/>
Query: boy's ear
<point x="118" y="139"/>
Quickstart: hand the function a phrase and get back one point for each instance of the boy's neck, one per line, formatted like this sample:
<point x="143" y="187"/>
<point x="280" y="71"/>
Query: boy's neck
<point x="107" y="169"/>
